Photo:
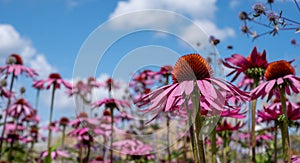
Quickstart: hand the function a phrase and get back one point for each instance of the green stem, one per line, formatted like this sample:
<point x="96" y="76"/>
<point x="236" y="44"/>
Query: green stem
<point x="50" y="119"/>
<point x="168" y="126"/>
<point x="63" y="140"/>
<point x="37" y="99"/>
<point x="253" y="122"/>
<point x="199" y="122"/>
<point x="275" y="142"/>
<point x="168" y="137"/>
<point x="285" y="129"/>
<point x="214" y="145"/>
<point x="5" y="115"/>
<point x="192" y="134"/>
<point x="112" y="132"/>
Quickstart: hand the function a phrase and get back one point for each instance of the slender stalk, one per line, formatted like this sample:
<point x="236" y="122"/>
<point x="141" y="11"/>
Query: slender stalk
<point x="200" y="147"/>
<point x="168" y="126"/>
<point x="50" y="118"/>
<point x="298" y="7"/>
<point x="63" y="140"/>
<point x="112" y="133"/>
<point x="88" y="152"/>
<point x="199" y="120"/>
<point x="253" y="122"/>
<point x="214" y="145"/>
<point x="80" y="152"/>
<point x="275" y="142"/>
<point x="168" y="137"/>
<point x="192" y="134"/>
<point x="37" y="99"/>
<point x="5" y="115"/>
<point x="285" y="129"/>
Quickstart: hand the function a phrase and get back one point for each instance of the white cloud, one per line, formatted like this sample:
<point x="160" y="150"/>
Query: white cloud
<point x="196" y="9"/>
<point x="201" y="12"/>
<point x="12" y="42"/>
<point x="209" y="27"/>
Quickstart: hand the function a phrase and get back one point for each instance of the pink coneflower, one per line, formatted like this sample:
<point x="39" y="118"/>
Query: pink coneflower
<point x="273" y="111"/>
<point x="281" y="80"/>
<point x="165" y="70"/>
<point x="14" y="65"/>
<point x="55" y="154"/>
<point x="56" y="79"/>
<point x="83" y="118"/>
<point x="132" y="147"/>
<point x="253" y="66"/>
<point x="111" y="103"/>
<point x="278" y="73"/>
<point x="110" y="84"/>
<point x="34" y="118"/>
<point x="80" y="88"/>
<point x="187" y="69"/>
<point x="53" y="126"/>
<point x="21" y="108"/>
<point x="226" y="126"/>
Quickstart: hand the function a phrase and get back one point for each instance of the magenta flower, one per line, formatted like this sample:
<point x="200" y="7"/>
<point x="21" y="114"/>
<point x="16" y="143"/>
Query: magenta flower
<point x="38" y="84"/>
<point x="82" y="134"/>
<point x="233" y="113"/>
<point x="53" y="126"/>
<point x="20" y="108"/>
<point x="34" y="118"/>
<point x="295" y="159"/>
<point x="14" y="65"/>
<point x="225" y="126"/>
<point x="111" y="103"/>
<point x="92" y="83"/>
<point x="110" y="84"/>
<point x="99" y="159"/>
<point x="79" y="88"/>
<point x="273" y="111"/>
<point x="165" y="70"/>
<point x="55" y="154"/>
<point x="132" y="147"/>
<point x="56" y="78"/>
<point x="253" y="66"/>
<point x="83" y="118"/>
<point x="278" y="73"/>
<point x="170" y="97"/>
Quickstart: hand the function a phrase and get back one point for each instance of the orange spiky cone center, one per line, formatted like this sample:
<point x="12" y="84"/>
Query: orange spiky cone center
<point x="279" y="69"/>
<point x="191" y="67"/>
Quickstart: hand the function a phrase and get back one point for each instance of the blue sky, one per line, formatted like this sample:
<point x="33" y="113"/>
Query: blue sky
<point x="50" y="33"/>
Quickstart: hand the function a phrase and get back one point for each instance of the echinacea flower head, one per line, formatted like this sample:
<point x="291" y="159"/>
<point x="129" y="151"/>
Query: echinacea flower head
<point x="227" y="126"/>
<point x="53" y="79"/>
<point x="110" y="84"/>
<point x="55" y="154"/>
<point x="132" y="147"/>
<point x="20" y="108"/>
<point x="278" y="73"/>
<point x="111" y="103"/>
<point x="14" y="65"/>
<point x="64" y="121"/>
<point x="191" y="72"/>
<point x="273" y="111"/>
<point x="253" y="66"/>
